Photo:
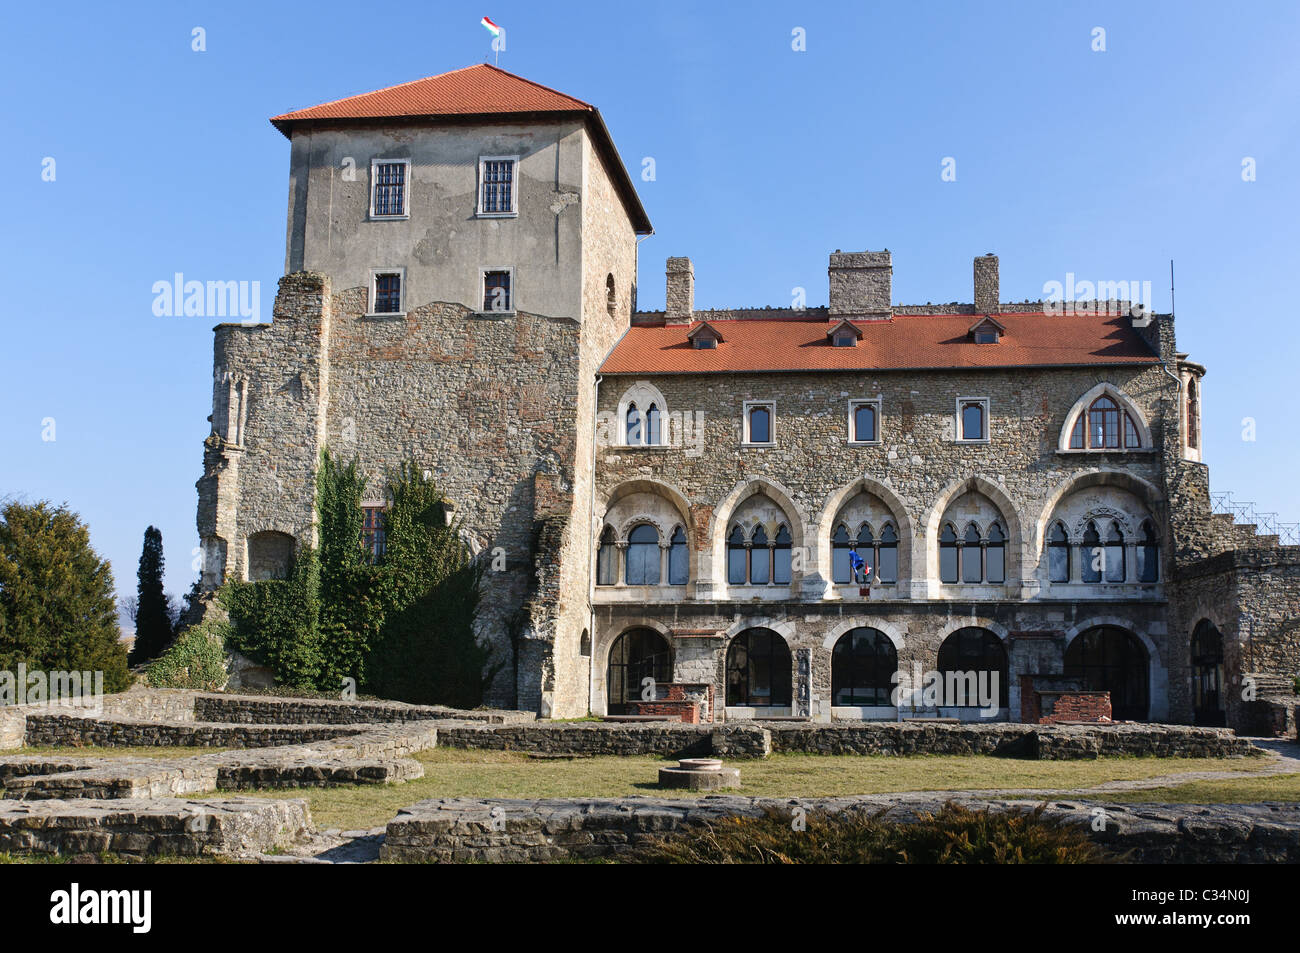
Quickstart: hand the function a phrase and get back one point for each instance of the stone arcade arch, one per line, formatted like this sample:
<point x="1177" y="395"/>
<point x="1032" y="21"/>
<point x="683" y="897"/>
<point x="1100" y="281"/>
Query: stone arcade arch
<point x="818" y="573"/>
<point x="759" y="672"/>
<point x="270" y="555"/>
<point x="1112" y="658"/>
<point x="713" y="571"/>
<point x="641" y="502"/>
<point x="1012" y="524"/>
<point x="638" y="653"/>
<point x="981" y="652"/>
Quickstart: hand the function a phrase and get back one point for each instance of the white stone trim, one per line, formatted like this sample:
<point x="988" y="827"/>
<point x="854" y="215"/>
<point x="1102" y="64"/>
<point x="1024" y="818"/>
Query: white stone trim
<point x="956" y="421"/>
<point x="514" y="189"/>
<point x="482" y="289"/>
<point x="854" y="404"/>
<point x="643" y="394"/>
<point x="842" y="628"/>
<point x="1126" y="405"/>
<point x="744" y="423"/>
<point x="398" y="270"/>
<point x="406" y="190"/>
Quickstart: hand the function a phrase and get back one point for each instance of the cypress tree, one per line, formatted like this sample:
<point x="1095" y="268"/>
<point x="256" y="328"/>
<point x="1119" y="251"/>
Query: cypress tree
<point x="153" y="625"/>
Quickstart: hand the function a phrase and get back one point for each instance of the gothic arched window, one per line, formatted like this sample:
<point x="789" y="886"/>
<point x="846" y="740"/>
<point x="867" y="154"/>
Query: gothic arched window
<point x="781" y="552"/>
<point x="971" y="568"/>
<point x="633" y="426"/>
<point x="643" y="556"/>
<point x="948" y="554"/>
<point x="1148" y="554"/>
<point x="736" y="557"/>
<point x="678" y="558"/>
<point x="760" y="558"/>
<point x="995" y="555"/>
<point x="1091" y="554"/>
<point x="841" y="572"/>
<point x="1115" y="567"/>
<point x="652" y="428"/>
<point x="607" y="559"/>
<point x="887" y="556"/>
<point x="1058" y="554"/>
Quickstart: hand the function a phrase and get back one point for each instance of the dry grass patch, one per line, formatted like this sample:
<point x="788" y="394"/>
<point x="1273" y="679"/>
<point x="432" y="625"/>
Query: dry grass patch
<point x="451" y="772"/>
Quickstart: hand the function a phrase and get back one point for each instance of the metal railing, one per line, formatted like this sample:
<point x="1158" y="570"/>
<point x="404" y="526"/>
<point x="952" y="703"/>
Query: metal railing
<point x="1267" y="524"/>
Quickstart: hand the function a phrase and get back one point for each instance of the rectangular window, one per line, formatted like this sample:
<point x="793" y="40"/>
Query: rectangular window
<point x="388" y="188"/>
<point x="759" y="422"/>
<point x="373" y="537"/>
<point x="996" y="564"/>
<point x="864" y="421"/>
<point x="736" y="565"/>
<point x="497" y="185"/>
<point x="971" y="571"/>
<point x="972" y="420"/>
<point x="497" y="291"/>
<point x="386" y="293"/>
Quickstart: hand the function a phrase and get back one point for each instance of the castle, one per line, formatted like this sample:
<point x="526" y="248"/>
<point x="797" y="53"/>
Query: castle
<point x="768" y="512"/>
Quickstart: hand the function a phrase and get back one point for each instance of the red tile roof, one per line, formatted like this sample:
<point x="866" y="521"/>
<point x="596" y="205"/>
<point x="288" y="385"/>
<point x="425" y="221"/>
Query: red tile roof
<point x="473" y="91"/>
<point x="906" y="342"/>
<point x="480" y="91"/>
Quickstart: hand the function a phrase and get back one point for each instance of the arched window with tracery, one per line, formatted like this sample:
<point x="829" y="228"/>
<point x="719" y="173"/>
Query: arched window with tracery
<point x="652" y="428"/>
<point x="737" y="557"/>
<point x="678" y="558"/>
<point x="1148" y="554"/>
<point x="643" y="556"/>
<point x="1105" y="425"/>
<point x="633" y="426"/>
<point x="995" y="555"/>
<point x="971" y="568"/>
<point x="841" y="544"/>
<point x="607" y="559"/>
<point x="948" y="554"/>
<point x="760" y="558"/>
<point x="1058" y="553"/>
<point x="887" y="555"/>
<point x="782" y="551"/>
<point x="1115" y="565"/>
<point x="1091" y="555"/>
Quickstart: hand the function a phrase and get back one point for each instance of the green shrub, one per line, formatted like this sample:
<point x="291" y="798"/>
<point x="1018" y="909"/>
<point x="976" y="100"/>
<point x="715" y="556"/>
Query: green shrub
<point x="196" y="659"/>
<point x="953" y="835"/>
<point x="275" y="622"/>
<point x="57" y="611"/>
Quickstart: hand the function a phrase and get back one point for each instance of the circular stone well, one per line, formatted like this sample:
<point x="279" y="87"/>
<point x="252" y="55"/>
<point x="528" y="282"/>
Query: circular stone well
<point x="699" y="774"/>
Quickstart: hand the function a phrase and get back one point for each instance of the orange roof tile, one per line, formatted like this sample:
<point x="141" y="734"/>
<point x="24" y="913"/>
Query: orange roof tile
<point x="472" y="91"/>
<point x="906" y="342"/>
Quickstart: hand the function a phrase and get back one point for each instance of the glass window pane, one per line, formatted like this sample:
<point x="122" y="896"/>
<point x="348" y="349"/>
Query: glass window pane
<point x="864" y="422"/>
<point x="970" y="564"/>
<point x="972" y="422"/>
<point x="948" y="563"/>
<point x="760" y="430"/>
<point x="781" y="565"/>
<point x="995" y="558"/>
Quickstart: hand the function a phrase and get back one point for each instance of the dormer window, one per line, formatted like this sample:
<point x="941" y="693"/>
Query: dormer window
<point x="704" y="337"/>
<point x="986" y="331"/>
<point x="845" y="334"/>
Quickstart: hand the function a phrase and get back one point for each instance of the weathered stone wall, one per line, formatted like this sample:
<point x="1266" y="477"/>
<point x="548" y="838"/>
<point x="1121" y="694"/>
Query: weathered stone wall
<point x="56" y="730"/>
<point x="253" y="710"/>
<point x="518" y="831"/>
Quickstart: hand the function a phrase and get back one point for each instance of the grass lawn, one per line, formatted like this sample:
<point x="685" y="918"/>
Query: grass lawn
<point x="90" y="751"/>
<point x="451" y="772"/>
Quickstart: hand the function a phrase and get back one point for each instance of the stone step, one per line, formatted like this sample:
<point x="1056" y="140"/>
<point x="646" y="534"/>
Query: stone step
<point x="116" y="778"/>
<point x="232" y="827"/>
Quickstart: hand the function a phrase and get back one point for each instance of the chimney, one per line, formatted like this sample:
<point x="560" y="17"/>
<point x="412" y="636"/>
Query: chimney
<point x="861" y="283"/>
<point x="679" y="305"/>
<point x="986" y="284"/>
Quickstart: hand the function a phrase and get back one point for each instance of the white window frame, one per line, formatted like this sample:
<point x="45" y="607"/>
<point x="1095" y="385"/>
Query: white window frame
<point x="514" y="188"/>
<point x="853" y="406"/>
<point x="406" y="190"/>
<point x="744" y="422"/>
<point x="370" y="305"/>
<point x="988" y="420"/>
<point x="482" y="288"/>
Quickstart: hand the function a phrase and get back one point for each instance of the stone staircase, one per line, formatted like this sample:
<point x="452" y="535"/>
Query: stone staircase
<point x="1244" y="527"/>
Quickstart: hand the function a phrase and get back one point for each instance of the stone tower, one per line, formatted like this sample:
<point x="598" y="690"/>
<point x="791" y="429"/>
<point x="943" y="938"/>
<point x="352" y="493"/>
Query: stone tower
<point x="460" y="258"/>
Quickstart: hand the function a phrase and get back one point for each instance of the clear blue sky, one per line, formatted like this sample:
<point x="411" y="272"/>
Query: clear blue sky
<point x="1105" y="164"/>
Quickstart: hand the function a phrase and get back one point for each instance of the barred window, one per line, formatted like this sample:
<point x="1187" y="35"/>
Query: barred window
<point x="498" y="195"/>
<point x="388" y="293"/>
<point x="496" y="291"/>
<point x="373" y="538"/>
<point x="389" y="196"/>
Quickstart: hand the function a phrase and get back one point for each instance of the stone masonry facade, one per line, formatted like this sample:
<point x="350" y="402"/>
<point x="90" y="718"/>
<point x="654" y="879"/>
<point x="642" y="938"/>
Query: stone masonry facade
<point x="626" y="509"/>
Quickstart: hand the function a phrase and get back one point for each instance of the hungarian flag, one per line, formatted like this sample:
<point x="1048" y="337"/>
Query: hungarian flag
<point x="490" y="26"/>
